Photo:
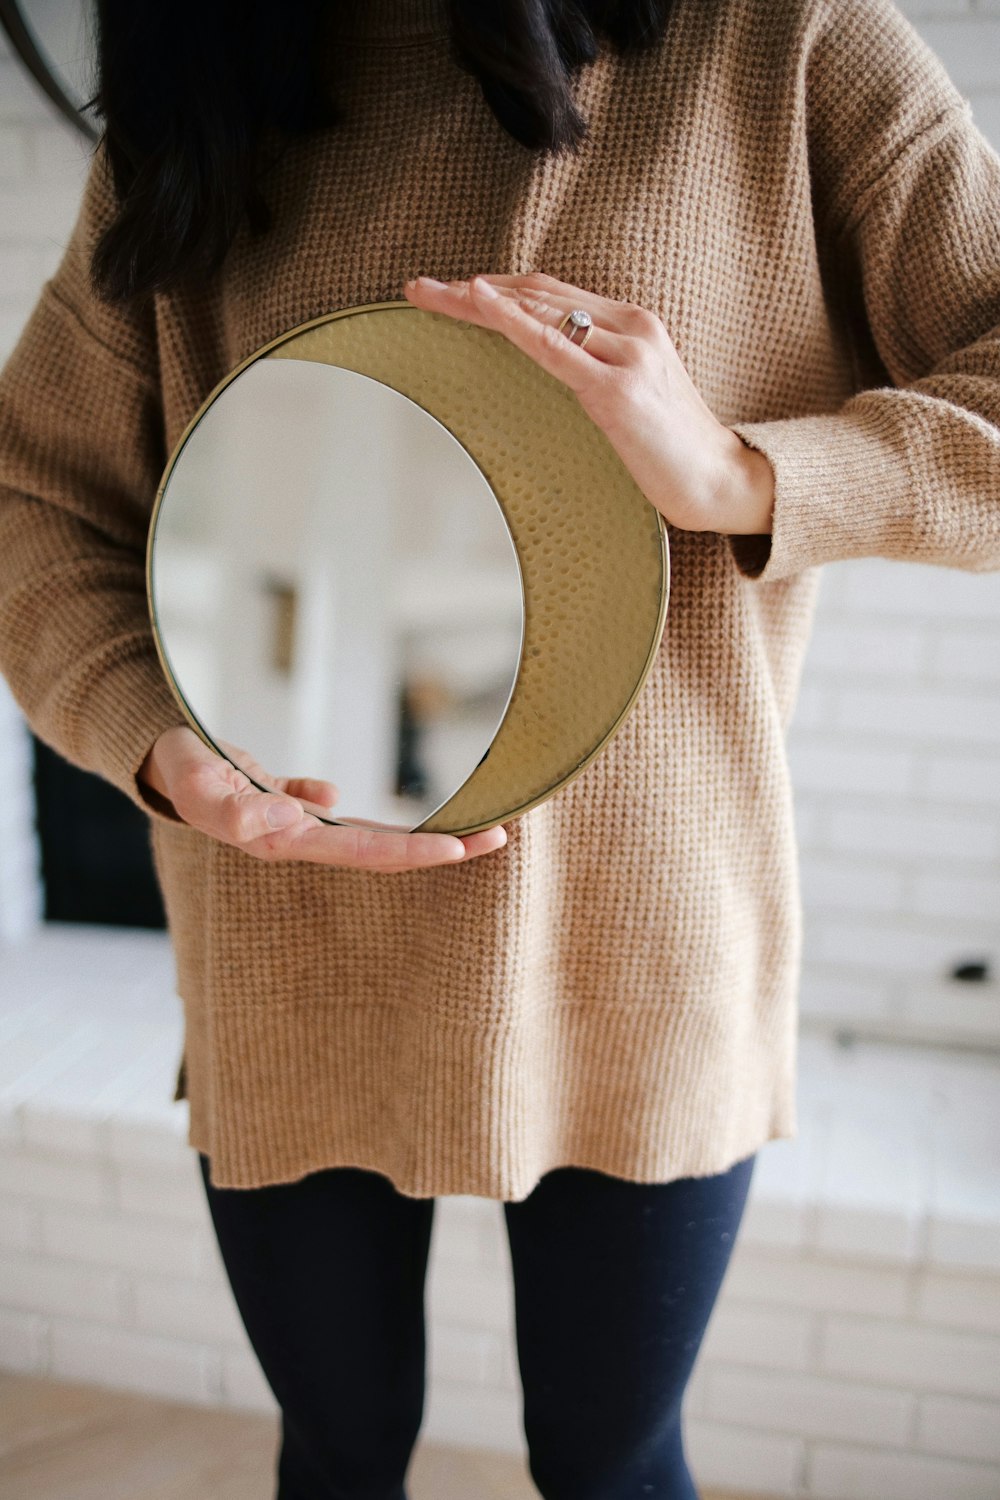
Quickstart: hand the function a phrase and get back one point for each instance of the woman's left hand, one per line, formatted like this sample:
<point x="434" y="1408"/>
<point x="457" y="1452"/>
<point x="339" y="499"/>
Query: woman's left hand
<point x="698" y="473"/>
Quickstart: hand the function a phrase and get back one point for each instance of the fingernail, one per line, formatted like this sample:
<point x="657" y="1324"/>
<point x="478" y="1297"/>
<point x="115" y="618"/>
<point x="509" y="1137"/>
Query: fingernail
<point x="282" y="815"/>
<point x="486" y="287"/>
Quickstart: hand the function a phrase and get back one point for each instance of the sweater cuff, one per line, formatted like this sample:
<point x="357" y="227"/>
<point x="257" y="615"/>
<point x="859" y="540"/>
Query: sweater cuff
<point x="128" y="709"/>
<point x="841" y="489"/>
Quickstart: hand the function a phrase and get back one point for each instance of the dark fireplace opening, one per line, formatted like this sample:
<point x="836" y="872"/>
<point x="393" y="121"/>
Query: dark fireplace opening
<point x="97" y="863"/>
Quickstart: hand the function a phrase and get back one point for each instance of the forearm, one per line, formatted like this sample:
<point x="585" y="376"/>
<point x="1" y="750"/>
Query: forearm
<point x="76" y="645"/>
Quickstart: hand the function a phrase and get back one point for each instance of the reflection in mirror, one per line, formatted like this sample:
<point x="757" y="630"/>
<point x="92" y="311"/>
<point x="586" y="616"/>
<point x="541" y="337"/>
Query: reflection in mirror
<point x="336" y="591"/>
<point x="55" y="40"/>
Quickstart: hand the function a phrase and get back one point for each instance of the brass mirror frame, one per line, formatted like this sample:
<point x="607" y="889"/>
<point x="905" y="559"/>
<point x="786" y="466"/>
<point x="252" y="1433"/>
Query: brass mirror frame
<point x="591" y="630"/>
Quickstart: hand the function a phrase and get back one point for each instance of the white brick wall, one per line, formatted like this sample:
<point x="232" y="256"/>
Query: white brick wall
<point x="21" y="897"/>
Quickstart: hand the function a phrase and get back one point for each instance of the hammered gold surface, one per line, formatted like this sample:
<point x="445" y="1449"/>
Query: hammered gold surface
<point x="592" y="549"/>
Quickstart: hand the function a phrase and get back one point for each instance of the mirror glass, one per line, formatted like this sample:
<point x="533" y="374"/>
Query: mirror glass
<point x="335" y="589"/>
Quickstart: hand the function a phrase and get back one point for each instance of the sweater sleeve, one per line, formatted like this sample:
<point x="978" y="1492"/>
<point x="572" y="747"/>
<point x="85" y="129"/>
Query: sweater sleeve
<point x="81" y="454"/>
<point x="907" y="197"/>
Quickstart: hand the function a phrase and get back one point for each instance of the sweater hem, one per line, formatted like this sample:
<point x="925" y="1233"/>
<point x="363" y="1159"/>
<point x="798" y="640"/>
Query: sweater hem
<point x="709" y="1164"/>
<point x="685" y="1091"/>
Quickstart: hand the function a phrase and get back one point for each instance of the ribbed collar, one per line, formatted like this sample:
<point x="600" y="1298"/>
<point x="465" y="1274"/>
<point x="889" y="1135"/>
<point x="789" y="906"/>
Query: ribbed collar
<point x="387" y="20"/>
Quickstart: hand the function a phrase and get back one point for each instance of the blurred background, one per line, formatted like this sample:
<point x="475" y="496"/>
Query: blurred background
<point x="854" y="1353"/>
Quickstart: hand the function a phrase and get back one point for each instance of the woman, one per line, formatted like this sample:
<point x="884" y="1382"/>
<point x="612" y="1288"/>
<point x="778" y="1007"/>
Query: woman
<point x="783" y="224"/>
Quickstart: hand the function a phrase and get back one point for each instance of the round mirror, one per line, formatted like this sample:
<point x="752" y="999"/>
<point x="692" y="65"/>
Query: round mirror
<point x="393" y="553"/>
<point x="336" y="590"/>
<point x="55" y="41"/>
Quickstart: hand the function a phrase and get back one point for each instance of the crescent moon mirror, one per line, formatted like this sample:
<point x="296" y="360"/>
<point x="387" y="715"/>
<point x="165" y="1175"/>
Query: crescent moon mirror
<point x="392" y="553"/>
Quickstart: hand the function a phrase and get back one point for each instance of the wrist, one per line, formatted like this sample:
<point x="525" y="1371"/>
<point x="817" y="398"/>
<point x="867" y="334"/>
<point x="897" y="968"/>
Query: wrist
<point x="745" y="501"/>
<point x="152" y="782"/>
<point x="151" y="773"/>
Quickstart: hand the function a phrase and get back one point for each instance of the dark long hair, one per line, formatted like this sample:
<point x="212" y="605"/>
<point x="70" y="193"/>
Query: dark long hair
<point x="188" y="91"/>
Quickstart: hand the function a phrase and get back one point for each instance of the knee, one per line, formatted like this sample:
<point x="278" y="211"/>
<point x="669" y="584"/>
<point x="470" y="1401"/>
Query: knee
<point x="607" y="1457"/>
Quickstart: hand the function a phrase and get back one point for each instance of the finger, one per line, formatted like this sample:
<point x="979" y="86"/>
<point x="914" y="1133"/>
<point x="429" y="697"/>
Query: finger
<point x="321" y="802"/>
<point x="320" y="808"/>
<point x="245" y="763"/>
<point x="310" y="789"/>
<point x="624" y="333"/>
<point x="476" y="844"/>
<point x="316" y="794"/>
<point x="603" y="343"/>
<point x="480" y="842"/>
<point x="234" y="813"/>
<point x="324" y="793"/>
<point x="550" y="286"/>
<point x="618" y="327"/>
<point x="609" y="316"/>
<point x="476" y="302"/>
<point x="243" y="817"/>
<point x="485" y="841"/>
<point x="361" y="848"/>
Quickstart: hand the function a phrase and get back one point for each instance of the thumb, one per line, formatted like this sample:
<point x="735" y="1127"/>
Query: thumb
<point x="227" y="805"/>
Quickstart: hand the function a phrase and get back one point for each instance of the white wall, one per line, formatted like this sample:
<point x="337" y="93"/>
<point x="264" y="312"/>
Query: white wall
<point x="42" y="164"/>
<point x="896" y="742"/>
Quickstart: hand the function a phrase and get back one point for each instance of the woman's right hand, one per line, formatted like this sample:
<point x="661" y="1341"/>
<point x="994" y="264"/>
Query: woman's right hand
<point x="210" y="794"/>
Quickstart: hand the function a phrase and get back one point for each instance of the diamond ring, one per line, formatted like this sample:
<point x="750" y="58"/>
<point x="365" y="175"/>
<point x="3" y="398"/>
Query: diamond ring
<point x="578" y="318"/>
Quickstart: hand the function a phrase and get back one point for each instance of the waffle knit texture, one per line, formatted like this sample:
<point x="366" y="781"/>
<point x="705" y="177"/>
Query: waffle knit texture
<point x="798" y="189"/>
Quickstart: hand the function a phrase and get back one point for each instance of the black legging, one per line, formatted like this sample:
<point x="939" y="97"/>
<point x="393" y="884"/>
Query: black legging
<point x="614" y="1282"/>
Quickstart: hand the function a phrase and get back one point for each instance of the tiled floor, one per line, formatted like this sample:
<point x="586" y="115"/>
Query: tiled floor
<point x="74" y="1442"/>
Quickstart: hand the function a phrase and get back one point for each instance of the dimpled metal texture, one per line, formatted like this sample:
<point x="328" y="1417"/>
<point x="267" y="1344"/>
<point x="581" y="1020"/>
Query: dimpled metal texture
<point x="592" y="549"/>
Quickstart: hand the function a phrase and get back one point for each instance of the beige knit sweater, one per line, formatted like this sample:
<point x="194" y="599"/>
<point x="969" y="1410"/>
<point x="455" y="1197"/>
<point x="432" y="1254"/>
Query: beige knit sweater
<point x="798" y="189"/>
